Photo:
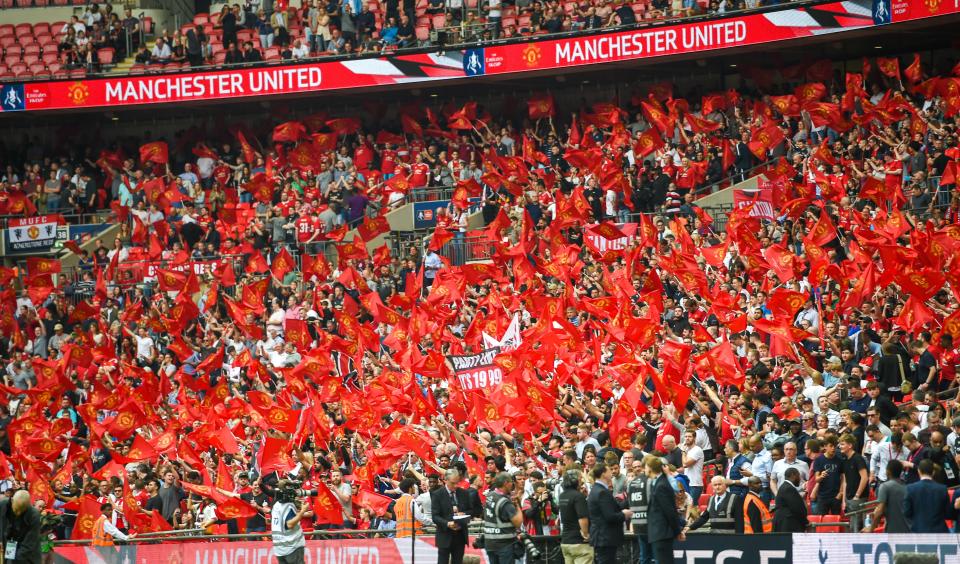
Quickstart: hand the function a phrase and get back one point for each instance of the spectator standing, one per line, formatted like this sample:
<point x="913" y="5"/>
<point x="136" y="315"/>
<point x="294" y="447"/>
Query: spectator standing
<point x="692" y="461"/>
<point x="890" y="503"/>
<point x="855" y="478"/>
<point x="828" y="475"/>
<point x="927" y="504"/>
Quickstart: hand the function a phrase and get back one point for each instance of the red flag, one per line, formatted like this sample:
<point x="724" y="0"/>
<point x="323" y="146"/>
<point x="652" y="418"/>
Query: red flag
<point x="765" y="139"/>
<point x="289" y="132"/>
<point x="224" y="478"/>
<point x="204" y="152"/>
<point x="377" y="502"/>
<point x="914" y="316"/>
<point x="282" y="264"/>
<point x="648" y="142"/>
<point x="914" y="72"/>
<point x="541" y="107"/>
<point x="37" y="266"/>
<point x="155" y="152"/>
<point x="411" y="126"/>
<point x="823" y="231"/>
<point x="87" y="515"/>
<point x="721" y="363"/>
<point x="326" y="507"/>
<point x="234" y="508"/>
<point x="889" y="66"/>
<point x="274" y="455"/>
<point x="344" y="126"/>
<point x="249" y="154"/>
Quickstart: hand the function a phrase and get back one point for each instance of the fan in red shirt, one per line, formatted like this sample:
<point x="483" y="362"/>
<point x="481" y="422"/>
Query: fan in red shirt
<point x="388" y="162"/>
<point x="419" y="173"/>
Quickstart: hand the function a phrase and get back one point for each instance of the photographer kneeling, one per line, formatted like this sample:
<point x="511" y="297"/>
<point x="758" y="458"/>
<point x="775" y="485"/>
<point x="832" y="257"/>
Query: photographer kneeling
<point x="501" y="522"/>
<point x="288" y="541"/>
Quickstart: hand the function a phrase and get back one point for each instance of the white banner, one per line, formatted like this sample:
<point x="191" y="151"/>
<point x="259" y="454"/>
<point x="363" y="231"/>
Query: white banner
<point x="37" y="233"/>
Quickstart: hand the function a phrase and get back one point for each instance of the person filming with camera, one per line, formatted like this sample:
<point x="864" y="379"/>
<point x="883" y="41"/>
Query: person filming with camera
<point x="287" y="535"/>
<point x="501" y="522"/>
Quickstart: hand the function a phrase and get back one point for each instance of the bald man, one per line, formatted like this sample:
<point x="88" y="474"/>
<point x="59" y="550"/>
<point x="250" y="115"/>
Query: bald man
<point x="20" y="528"/>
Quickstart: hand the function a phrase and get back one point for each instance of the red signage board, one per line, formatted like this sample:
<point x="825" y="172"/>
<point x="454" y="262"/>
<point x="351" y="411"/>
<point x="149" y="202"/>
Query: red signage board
<point x="702" y="36"/>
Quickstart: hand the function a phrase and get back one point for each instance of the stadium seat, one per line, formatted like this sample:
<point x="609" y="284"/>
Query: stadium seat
<point x="147" y="25"/>
<point x="41" y="28"/>
<point x="422" y="32"/>
<point x="31" y="59"/>
<point x="31" y="49"/>
<point x="704" y="499"/>
<point x="78" y="73"/>
<point x="7" y="30"/>
<point x="438" y="21"/>
<point x="105" y="55"/>
<point x="54" y="67"/>
<point x="23" y="30"/>
<point x="201" y="18"/>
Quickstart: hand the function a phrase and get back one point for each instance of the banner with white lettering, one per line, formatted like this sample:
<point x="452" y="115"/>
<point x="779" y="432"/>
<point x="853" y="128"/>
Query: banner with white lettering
<point x="668" y="39"/>
<point x="873" y="547"/>
<point x="35" y="234"/>
<point x="477" y="371"/>
<point x="352" y="551"/>
<point x="763" y="197"/>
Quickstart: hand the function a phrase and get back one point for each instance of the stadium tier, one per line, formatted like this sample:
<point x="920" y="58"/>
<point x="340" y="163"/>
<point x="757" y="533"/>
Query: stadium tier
<point x="691" y="272"/>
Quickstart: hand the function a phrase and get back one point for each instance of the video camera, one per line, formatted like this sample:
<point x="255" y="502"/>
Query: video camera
<point x="289" y="491"/>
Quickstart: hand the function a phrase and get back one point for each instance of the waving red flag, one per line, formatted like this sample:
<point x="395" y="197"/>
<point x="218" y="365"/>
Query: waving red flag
<point x="344" y="126"/>
<point x="411" y="126"/>
<point x="541" y="107"/>
<point x="648" y="142"/>
<point x="282" y="264"/>
<point x="889" y="66"/>
<point x="326" y="507"/>
<point x="823" y="231"/>
<point x="914" y="72"/>
<point x="377" y="502"/>
<point x="721" y="363"/>
<point x="155" y="152"/>
<point x="274" y="455"/>
<point x="289" y="132"/>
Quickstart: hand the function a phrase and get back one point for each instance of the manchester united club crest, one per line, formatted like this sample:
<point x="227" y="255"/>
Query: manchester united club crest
<point x="932" y="5"/>
<point x="78" y="93"/>
<point x="531" y="55"/>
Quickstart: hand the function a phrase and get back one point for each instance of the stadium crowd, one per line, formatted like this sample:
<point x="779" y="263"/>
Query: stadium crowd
<point x="220" y="343"/>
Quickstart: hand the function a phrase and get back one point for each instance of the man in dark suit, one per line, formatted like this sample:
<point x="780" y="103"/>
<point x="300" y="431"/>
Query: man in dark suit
<point x="790" y="515"/>
<point x="663" y="523"/>
<point x="743" y="158"/>
<point x="927" y="504"/>
<point x="451" y="536"/>
<point x="606" y="517"/>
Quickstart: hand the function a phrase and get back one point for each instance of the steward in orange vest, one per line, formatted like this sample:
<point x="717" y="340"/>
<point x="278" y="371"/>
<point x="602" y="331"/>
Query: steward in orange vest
<point x="403" y="510"/>
<point x="756" y="517"/>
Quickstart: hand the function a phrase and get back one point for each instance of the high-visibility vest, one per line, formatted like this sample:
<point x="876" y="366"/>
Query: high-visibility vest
<point x="765" y="517"/>
<point x="403" y="514"/>
<point x="100" y="536"/>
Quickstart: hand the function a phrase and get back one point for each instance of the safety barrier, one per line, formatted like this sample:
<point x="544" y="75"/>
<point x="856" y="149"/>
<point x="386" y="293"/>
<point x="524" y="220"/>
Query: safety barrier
<point x="774" y="548"/>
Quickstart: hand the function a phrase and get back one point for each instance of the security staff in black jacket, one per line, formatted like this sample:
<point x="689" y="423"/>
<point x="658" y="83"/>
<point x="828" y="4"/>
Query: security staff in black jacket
<point x="606" y="517"/>
<point x="638" y="500"/>
<point x="724" y="510"/>
<point x="501" y="521"/>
